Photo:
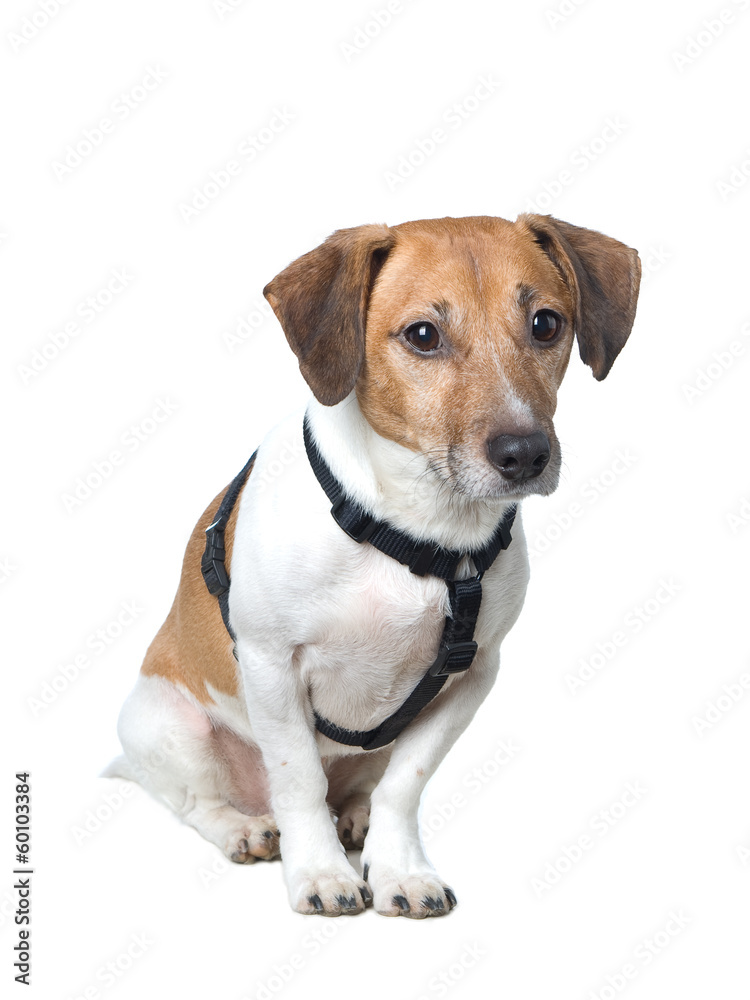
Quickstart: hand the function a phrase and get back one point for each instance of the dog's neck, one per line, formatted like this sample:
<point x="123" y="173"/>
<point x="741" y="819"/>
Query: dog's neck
<point x="396" y="484"/>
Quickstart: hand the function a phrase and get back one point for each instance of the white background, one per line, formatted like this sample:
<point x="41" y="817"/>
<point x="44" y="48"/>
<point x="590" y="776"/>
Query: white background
<point x="671" y="512"/>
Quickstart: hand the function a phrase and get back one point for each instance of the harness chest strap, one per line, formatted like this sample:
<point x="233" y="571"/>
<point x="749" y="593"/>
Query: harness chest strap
<point x="457" y="646"/>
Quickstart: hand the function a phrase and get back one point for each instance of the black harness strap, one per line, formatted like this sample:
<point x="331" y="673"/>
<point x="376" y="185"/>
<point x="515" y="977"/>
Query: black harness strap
<point x="457" y="646"/>
<point x="455" y="654"/>
<point x="213" y="566"/>
<point x="422" y="558"/>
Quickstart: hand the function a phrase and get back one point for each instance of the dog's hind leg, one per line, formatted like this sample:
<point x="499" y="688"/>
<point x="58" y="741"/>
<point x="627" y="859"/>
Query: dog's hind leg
<point x="214" y="781"/>
<point x="351" y="781"/>
<point x="173" y="750"/>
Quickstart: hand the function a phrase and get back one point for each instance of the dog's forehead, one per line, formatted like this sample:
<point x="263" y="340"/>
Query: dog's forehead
<point x="480" y="257"/>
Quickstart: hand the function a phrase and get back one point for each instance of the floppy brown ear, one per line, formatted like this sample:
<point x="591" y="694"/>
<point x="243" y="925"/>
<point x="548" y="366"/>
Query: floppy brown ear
<point x="603" y="275"/>
<point x="321" y="302"/>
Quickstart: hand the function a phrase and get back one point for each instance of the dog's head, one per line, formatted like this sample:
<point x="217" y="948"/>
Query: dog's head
<point x="456" y="333"/>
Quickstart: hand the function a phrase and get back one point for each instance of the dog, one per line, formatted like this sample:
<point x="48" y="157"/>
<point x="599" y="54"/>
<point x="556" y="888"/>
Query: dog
<point x="302" y="709"/>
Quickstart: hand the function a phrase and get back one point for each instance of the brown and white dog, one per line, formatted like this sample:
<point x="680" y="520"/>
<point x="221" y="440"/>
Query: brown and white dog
<point x="434" y="351"/>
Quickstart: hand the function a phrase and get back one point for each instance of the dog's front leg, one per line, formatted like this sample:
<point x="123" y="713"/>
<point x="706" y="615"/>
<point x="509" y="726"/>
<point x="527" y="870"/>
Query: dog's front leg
<point x="318" y="876"/>
<point x="403" y="881"/>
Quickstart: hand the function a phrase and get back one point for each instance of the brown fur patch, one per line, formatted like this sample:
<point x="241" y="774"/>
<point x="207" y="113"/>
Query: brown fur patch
<point x="193" y="647"/>
<point x="321" y="302"/>
<point x="604" y="277"/>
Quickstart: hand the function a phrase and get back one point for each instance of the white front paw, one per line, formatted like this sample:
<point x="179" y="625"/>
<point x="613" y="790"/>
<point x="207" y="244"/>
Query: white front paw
<point x="330" y="892"/>
<point x="417" y="894"/>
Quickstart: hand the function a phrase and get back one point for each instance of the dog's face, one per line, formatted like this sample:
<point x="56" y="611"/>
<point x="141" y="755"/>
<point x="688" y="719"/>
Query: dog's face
<point x="456" y="333"/>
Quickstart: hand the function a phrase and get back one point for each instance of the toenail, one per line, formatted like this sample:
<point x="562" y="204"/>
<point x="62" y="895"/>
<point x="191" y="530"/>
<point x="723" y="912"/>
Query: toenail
<point x="365" y="894"/>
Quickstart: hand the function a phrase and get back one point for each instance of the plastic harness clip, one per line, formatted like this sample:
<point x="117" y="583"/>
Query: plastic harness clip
<point x="213" y="567"/>
<point x="453" y="658"/>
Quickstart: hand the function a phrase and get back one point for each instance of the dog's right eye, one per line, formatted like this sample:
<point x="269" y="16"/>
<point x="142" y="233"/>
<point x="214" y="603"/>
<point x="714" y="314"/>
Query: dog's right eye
<point x="545" y="326"/>
<point x="423" y="336"/>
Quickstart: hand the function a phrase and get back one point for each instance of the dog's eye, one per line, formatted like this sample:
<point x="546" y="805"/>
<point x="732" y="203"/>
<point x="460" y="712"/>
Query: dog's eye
<point x="423" y="336"/>
<point x="545" y="326"/>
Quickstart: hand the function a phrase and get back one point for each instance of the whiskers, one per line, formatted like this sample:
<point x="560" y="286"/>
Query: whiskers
<point x="451" y="495"/>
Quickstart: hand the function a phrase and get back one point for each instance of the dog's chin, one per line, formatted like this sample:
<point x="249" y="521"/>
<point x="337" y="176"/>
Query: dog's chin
<point x="486" y="484"/>
<point x="502" y="489"/>
<point x="540" y="486"/>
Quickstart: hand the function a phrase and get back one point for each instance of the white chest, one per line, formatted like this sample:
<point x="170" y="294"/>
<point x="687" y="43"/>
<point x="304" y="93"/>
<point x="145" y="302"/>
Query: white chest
<point x="360" y="628"/>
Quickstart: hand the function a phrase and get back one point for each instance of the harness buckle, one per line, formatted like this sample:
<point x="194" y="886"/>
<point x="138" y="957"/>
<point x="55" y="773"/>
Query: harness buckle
<point x="212" y="562"/>
<point x="445" y="664"/>
<point x="361" y="527"/>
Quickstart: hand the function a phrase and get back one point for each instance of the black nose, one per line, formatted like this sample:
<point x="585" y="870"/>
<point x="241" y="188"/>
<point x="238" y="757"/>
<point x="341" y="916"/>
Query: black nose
<point x="520" y="457"/>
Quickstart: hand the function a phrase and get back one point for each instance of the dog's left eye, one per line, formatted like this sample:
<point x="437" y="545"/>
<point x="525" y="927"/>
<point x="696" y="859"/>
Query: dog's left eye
<point x="423" y="336"/>
<point x="545" y="326"/>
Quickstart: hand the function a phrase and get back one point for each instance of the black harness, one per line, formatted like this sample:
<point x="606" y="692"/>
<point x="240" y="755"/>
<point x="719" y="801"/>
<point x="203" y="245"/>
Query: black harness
<point x="457" y="646"/>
